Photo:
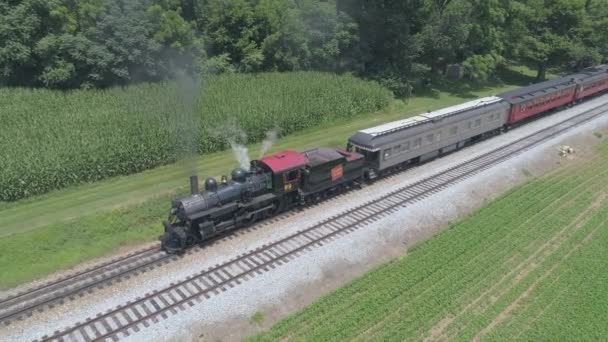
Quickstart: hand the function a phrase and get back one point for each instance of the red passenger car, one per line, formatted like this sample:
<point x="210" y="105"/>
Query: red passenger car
<point x="592" y="81"/>
<point x="539" y="98"/>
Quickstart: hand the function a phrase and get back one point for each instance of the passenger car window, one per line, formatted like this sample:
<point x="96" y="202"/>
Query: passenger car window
<point x="477" y="122"/>
<point x="454" y="130"/>
<point x="406" y="146"/>
<point x="387" y="153"/>
<point x="417" y="142"/>
<point x="429" y="138"/>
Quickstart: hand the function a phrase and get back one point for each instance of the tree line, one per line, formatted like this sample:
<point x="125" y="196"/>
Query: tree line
<point x="99" y="43"/>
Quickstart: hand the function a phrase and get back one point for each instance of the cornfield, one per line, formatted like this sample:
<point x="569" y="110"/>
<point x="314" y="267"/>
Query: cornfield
<point x="51" y="139"/>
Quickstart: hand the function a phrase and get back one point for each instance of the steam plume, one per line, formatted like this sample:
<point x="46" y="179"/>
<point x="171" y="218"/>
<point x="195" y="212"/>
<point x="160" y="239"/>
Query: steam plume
<point x="241" y="154"/>
<point x="231" y="132"/>
<point x="188" y="121"/>
<point x="271" y="137"/>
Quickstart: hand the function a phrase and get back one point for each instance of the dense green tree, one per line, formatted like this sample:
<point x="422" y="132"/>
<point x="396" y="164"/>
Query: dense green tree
<point x="443" y="39"/>
<point x="278" y="34"/>
<point x="386" y="32"/>
<point x="311" y="35"/>
<point x="85" y="43"/>
<point x="597" y="29"/>
<point x="551" y="33"/>
<point x="22" y="25"/>
<point x="233" y="28"/>
<point x="98" y="43"/>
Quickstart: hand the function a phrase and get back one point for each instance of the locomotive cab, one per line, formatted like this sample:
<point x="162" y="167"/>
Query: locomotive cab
<point x="291" y="180"/>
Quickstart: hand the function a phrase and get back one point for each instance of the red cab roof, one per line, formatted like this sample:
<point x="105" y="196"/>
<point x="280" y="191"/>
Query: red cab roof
<point x="285" y="160"/>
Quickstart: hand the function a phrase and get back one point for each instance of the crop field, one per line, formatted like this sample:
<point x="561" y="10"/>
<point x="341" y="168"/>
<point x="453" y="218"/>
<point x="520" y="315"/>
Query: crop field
<point x="51" y="139"/>
<point x="530" y="265"/>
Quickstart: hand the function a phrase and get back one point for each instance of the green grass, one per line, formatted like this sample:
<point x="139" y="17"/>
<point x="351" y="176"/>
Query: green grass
<point x="51" y="139"/>
<point x="145" y="197"/>
<point x="257" y="318"/>
<point x="27" y="256"/>
<point x="528" y="266"/>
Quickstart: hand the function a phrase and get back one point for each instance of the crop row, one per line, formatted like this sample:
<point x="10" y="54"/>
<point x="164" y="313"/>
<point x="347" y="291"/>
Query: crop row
<point x="51" y="139"/>
<point x="571" y="304"/>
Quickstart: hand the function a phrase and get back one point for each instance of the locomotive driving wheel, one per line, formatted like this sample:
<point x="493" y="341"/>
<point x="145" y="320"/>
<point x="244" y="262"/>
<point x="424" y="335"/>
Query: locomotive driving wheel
<point x="279" y="207"/>
<point x="251" y="220"/>
<point x="190" y="240"/>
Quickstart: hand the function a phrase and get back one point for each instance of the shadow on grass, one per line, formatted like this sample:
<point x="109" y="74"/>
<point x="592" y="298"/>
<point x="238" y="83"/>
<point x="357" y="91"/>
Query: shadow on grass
<point x="462" y="89"/>
<point x="466" y="89"/>
<point x="515" y="77"/>
<point x="430" y="92"/>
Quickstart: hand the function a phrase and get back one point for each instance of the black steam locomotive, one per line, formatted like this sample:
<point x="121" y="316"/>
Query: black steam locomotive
<point x="273" y="184"/>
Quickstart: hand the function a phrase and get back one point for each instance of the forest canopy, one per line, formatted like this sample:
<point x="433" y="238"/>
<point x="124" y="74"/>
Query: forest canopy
<point x="99" y="43"/>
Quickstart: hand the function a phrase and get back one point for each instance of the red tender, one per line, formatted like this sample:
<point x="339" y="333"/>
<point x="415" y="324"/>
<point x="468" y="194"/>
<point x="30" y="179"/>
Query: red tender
<point x="285" y="160"/>
<point x="541" y="104"/>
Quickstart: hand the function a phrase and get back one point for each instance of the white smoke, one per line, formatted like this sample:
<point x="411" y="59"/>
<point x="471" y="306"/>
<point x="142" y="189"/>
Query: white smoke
<point x="241" y="153"/>
<point x="184" y="100"/>
<point x="271" y="137"/>
<point x="236" y="137"/>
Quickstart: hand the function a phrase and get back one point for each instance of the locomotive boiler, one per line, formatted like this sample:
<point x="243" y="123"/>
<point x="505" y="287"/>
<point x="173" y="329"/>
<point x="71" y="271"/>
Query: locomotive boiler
<point x="220" y="207"/>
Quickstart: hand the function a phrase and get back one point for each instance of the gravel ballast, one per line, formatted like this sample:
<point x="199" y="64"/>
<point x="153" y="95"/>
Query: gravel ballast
<point x="290" y="286"/>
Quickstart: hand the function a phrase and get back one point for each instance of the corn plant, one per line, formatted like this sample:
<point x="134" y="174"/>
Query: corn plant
<point x="51" y="139"/>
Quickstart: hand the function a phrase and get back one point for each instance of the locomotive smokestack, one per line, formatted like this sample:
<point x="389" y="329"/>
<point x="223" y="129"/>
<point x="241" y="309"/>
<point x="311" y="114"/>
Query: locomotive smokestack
<point x="194" y="185"/>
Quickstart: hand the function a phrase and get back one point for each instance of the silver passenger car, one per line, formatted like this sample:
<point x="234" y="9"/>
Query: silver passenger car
<point x="426" y="136"/>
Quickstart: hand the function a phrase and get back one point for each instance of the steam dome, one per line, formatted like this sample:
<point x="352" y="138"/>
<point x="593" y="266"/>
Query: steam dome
<point x="239" y="175"/>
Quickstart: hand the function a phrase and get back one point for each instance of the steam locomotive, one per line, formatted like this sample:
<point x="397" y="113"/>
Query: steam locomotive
<point x="287" y="179"/>
<point x="271" y="185"/>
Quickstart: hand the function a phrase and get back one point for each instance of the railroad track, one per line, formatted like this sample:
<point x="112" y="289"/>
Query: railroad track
<point x="144" y="311"/>
<point x="53" y="293"/>
<point x="56" y="292"/>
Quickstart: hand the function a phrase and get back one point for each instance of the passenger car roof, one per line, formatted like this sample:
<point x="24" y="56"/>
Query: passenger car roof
<point x="364" y="138"/>
<point x="535" y="90"/>
<point x="419" y="119"/>
<point x="592" y="74"/>
<point x="539" y="89"/>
